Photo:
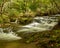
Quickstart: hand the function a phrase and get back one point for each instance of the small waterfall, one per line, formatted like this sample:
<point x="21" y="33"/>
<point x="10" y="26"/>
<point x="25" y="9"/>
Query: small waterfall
<point x="40" y="24"/>
<point x="9" y="35"/>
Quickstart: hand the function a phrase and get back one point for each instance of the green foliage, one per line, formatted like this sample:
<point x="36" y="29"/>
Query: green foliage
<point x="1" y="1"/>
<point x="21" y="6"/>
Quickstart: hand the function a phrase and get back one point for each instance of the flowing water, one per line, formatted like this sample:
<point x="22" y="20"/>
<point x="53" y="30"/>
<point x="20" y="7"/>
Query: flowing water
<point x="10" y="39"/>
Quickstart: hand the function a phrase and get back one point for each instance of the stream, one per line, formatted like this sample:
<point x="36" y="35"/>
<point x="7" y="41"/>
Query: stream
<point x="39" y="24"/>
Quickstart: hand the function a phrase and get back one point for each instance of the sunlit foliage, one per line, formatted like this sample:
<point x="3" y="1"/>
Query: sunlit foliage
<point x="14" y="9"/>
